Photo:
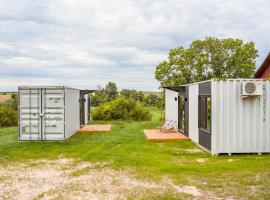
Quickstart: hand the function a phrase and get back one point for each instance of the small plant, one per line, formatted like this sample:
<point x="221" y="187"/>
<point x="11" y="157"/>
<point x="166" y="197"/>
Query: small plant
<point x="121" y="108"/>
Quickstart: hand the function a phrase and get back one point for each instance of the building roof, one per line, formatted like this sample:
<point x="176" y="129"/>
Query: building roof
<point x="86" y="91"/>
<point x="263" y="67"/>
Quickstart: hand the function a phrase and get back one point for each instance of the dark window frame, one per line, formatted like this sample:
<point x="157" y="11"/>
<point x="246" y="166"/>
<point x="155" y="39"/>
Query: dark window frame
<point x="204" y="113"/>
<point x="181" y="112"/>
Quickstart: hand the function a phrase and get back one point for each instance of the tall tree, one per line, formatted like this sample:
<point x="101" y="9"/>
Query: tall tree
<point x="206" y="59"/>
<point x="110" y="91"/>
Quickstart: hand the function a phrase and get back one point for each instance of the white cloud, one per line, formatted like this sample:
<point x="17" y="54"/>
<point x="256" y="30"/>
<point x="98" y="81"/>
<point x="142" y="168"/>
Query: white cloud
<point x="86" y="43"/>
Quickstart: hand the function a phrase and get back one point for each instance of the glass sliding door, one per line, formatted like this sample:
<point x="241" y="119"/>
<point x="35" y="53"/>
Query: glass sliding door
<point x="181" y="120"/>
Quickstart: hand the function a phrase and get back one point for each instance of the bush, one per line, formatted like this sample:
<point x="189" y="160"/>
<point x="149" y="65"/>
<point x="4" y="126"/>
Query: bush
<point x="8" y="117"/>
<point x="121" y="108"/>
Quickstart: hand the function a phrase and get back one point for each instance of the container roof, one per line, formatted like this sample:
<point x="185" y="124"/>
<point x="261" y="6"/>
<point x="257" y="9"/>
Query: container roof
<point x="86" y="91"/>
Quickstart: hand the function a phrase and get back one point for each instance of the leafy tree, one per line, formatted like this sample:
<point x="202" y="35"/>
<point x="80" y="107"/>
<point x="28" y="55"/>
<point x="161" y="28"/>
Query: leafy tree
<point x="106" y="94"/>
<point x="110" y="91"/>
<point x="206" y="59"/>
<point x="152" y="99"/>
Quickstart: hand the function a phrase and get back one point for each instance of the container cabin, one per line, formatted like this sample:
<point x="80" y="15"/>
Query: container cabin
<point x="51" y="112"/>
<point x="223" y="116"/>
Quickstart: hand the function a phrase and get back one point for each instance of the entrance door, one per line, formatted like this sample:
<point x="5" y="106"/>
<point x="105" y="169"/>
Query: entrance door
<point x="29" y="114"/>
<point x="53" y="108"/>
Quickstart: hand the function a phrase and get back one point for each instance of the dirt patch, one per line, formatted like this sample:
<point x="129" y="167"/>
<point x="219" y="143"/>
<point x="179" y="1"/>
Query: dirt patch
<point x="194" y="150"/>
<point x="69" y="179"/>
<point x="201" y="160"/>
<point x="3" y="98"/>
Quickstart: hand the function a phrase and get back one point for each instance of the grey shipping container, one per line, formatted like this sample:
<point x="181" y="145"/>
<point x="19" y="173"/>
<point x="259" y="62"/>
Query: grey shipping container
<point x="51" y="112"/>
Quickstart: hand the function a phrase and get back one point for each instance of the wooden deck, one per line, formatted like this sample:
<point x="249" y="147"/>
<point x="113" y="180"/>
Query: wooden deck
<point x="158" y="136"/>
<point x="98" y="128"/>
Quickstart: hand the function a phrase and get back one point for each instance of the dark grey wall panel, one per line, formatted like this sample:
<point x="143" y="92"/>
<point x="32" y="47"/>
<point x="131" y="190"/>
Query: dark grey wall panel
<point x="205" y="88"/>
<point x="205" y="139"/>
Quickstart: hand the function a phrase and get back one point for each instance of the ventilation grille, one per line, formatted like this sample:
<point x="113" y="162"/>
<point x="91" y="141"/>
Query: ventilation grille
<point x="250" y="88"/>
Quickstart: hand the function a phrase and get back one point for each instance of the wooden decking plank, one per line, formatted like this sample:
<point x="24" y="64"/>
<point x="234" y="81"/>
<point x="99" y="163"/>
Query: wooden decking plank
<point x="157" y="135"/>
<point x="98" y="128"/>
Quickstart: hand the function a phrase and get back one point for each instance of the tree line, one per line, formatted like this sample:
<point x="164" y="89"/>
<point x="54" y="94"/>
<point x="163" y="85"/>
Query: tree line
<point x="110" y="93"/>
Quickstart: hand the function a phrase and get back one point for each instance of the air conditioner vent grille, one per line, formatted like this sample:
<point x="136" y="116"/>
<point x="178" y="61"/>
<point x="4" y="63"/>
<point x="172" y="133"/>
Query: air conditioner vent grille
<point x="250" y="88"/>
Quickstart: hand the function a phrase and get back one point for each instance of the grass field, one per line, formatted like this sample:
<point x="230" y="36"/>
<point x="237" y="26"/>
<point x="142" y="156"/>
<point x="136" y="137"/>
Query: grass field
<point x="125" y="148"/>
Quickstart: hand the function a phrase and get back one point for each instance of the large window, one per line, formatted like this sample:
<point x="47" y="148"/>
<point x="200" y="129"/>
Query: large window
<point x="205" y="113"/>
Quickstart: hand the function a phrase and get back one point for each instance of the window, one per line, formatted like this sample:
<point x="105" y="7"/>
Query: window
<point x="205" y="113"/>
<point x="181" y="113"/>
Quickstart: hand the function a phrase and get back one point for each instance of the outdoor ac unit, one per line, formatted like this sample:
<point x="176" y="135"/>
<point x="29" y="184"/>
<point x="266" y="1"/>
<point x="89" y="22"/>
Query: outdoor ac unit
<point x="252" y="88"/>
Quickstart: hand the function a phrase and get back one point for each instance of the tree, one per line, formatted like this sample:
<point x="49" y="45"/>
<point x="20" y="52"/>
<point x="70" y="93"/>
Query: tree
<point x="106" y="94"/>
<point x="152" y="100"/>
<point x="206" y="59"/>
<point x="110" y="91"/>
<point x="133" y="94"/>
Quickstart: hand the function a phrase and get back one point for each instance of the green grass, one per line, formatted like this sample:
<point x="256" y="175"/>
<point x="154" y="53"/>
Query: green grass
<point x="125" y="147"/>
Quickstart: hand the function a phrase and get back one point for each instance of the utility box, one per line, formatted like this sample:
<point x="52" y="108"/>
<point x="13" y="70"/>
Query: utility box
<point x="49" y="113"/>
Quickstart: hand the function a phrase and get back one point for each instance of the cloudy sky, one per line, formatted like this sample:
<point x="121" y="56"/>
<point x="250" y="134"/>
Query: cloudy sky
<point x="85" y="43"/>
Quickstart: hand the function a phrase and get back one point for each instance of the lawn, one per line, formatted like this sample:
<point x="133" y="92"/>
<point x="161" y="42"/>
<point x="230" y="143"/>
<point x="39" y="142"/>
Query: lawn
<point x="125" y="147"/>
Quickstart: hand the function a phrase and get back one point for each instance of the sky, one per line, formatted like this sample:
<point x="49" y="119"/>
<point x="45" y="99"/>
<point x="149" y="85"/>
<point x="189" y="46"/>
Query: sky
<point x="85" y="43"/>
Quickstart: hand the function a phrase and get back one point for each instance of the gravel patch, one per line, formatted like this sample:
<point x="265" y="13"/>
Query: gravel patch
<point x="69" y="179"/>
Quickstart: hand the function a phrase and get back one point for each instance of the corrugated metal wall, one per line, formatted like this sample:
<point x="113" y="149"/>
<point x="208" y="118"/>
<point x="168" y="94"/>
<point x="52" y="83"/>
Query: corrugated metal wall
<point x="53" y="114"/>
<point x="29" y="114"/>
<point x="239" y="125"/>
<point x="72" y="105"/>
<point x="193" y="113"/>
<point x="171" y="106"/>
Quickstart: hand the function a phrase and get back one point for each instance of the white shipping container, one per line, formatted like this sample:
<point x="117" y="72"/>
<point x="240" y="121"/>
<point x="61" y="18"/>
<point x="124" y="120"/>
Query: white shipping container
<point x="240" y="125"/>
<point x="226" y="116"/>
<point x="48" y="113"/>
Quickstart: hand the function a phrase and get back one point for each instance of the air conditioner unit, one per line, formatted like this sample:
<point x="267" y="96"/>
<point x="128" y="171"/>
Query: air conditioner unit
<point x="252" y="88"/>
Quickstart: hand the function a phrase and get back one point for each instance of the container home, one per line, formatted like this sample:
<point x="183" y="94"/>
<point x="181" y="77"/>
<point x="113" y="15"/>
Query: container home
<point x="223" y="116"/>
<point x="52" y="112"/>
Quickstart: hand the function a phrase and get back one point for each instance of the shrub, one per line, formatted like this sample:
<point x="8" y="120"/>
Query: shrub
<point x="121" y="108"/>
<point x="8" y="117"/>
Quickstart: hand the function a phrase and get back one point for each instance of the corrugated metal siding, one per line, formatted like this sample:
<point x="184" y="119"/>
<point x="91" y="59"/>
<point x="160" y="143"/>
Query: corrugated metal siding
<point x="193" y="113"/>
<point x="171" y="106"/>
<point x="239" y="125"/>
<point x="29" y="111"/>
<point x="53" y="114"/>
<point x="72" y="105"/>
